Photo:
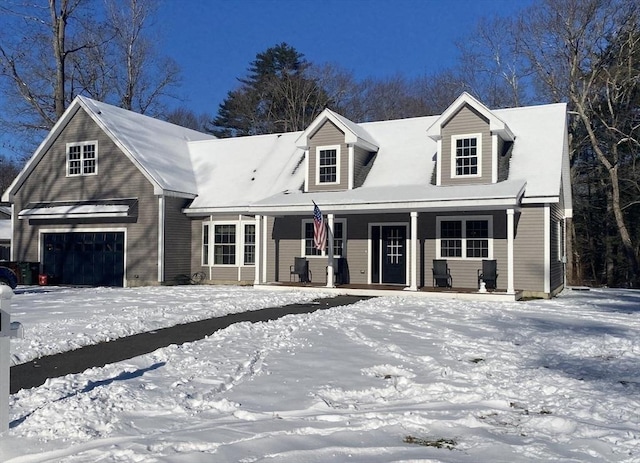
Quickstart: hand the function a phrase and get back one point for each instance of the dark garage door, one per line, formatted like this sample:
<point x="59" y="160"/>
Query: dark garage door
<point x="95" y="258"/>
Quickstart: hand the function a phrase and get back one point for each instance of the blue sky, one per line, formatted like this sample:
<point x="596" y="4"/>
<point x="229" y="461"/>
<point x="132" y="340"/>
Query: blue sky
<point x="214" y="41"/>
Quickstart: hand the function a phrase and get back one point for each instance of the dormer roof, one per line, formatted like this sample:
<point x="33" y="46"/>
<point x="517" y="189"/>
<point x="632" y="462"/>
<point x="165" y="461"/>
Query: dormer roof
<point x="354" y="134"/>
<point x="496" y="125"/>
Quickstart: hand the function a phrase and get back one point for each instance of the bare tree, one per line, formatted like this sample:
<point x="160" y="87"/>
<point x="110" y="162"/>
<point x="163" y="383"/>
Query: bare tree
<point x="587" y="51"/>
<point x="53" y="50"/>
<point x="491" y="65"/>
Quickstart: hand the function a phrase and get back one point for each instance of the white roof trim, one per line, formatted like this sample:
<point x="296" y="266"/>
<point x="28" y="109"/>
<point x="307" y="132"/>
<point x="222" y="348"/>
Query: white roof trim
<point x="353" y="133"/>
<point x="496" y="125"/>
<point x="75" y="211"/>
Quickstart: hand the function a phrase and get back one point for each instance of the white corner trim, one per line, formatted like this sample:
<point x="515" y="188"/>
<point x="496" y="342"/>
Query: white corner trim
<point x="494" y="158"/>
<point x="547" y="248"/>
<point x="352" y="160"/>
<point x="160" y="239"/>
<point x="306" y="169"/>
<point x="439" y="157"/>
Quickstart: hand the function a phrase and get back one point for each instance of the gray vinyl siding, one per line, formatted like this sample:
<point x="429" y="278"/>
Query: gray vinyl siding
<point x="464" y="272"/>
<point x="363" y="161"/>
<point x="466" y="121"/>
<point x="287" y="241"/>
<point x="327" y="135"/>
<point x="177" y="240"/>
<point x="529" y="249"/>
<point x="117" y="177"/>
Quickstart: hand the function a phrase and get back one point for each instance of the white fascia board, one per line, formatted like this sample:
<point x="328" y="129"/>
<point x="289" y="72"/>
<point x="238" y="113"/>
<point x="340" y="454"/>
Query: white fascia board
<point x="33" y="161"/>
<point x="496" y="125"/>
<point x="390" y="206"/>
<point x="207" y="211"/>
<point x="541" y="199"/>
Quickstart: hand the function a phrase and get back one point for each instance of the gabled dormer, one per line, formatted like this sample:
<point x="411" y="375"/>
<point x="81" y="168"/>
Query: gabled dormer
<point x="472" y="140"/>
<point x="338" y="153"/>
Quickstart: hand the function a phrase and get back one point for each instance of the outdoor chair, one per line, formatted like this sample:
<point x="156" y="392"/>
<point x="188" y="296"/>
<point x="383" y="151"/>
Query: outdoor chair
<point x="441" y="274"/>
<point x="300" y="267"/>
<point x="488" y="274"/>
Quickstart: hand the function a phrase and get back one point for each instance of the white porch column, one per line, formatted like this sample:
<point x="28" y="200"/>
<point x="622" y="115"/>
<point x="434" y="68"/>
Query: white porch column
<point x="258" y="235"/>
<point x="265" y="224"/>
<point x="414" y="252"/>
<point x="330" y="272"/>
<point x="510" y="237"/>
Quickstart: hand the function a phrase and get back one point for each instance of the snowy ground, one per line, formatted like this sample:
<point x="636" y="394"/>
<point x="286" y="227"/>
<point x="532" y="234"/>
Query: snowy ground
<point x="384" y="380"/>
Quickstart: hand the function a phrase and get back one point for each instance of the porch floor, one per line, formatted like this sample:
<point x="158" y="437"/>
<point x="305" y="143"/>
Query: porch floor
<point x="399" y="290"/>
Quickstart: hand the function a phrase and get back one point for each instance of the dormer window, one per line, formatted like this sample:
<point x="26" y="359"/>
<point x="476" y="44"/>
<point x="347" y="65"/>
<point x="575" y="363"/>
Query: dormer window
<point x="328" y="160"/>
<point x="466" y="155"/>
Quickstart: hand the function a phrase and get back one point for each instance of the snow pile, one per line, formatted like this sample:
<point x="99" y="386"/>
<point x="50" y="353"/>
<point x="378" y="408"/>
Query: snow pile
<point x="387" y="379"/>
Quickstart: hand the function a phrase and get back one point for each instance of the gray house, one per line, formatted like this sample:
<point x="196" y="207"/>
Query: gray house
<point x="116" y="198"/>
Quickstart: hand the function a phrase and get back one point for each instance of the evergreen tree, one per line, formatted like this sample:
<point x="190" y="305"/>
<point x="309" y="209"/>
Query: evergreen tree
<point x="278" y="95"/>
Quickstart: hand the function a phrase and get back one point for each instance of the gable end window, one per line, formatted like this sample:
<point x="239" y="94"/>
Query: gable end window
<point x="464" y="237"/>
<point x="466" y="155"/>
<point x="327" y="165"/>
<point x="82" y="158"/>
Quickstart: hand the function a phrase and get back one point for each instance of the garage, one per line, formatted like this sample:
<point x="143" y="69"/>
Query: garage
<point x="86" y="258"/>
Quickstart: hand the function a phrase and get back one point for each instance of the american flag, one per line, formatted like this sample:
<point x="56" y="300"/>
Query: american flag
<point x="319" y="230"/>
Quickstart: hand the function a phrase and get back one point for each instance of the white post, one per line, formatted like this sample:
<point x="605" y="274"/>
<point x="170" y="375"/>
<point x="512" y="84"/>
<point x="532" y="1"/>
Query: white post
<point x="414" y="252"/>
<point x="258" y="237"/>
<point x="330" y="272"/>
<point x="510" y="236"/>
<point x="5" y="348"/>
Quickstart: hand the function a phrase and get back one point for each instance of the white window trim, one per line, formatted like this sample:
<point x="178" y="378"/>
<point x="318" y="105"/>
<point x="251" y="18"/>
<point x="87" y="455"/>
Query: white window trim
<point x="239" y="244"/>
<point x="324" y="148"/>
<point x="303" y="248"/>
<point x="464" y="219"/>
<point x="454" y="138"/>
<point x="243" y="224"/>
<point x="202" y="244"/>
<point x="81" y="143"/>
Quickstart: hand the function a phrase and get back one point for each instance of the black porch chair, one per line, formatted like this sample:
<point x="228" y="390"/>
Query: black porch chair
<point x="488" y="274"/>
<point x="441" y="274"/>
<point x="300" y="267"/>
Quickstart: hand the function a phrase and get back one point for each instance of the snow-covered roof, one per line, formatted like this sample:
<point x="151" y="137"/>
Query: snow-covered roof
<point x="159" y="148"/>
<point x="250" y="174"/>
<point x="267" y="172"/>
<point x="235" y="172"/>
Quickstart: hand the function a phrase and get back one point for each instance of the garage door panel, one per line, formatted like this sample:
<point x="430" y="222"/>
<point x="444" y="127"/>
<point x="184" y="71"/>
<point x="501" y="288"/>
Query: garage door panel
<point x="89" y="258"/>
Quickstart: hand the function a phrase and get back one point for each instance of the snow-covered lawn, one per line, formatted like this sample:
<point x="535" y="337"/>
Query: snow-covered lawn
<point x="387" y="379"/>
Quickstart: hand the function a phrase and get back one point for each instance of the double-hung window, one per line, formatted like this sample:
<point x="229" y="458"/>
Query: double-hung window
<point x="224" y="244"/>
<point x="466" y="155"/>
<point x="328" y="164"/>
<point x="339" y="239"/>
<point x="82" y="158"/>
<point x="464" y="238"/>
<point x="249" y="244"/>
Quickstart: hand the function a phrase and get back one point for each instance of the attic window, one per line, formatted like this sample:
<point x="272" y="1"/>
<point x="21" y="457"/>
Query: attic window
<point x="82" y="158"/>
<point x="466" y="154"/>
<point x="327" y="165"/>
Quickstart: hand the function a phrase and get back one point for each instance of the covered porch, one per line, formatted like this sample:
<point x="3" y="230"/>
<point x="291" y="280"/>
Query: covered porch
<point x="376" y="290"/>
